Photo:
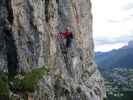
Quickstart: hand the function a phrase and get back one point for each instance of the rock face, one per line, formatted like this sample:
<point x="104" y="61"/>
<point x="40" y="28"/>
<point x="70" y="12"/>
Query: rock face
<point x="28" y="40"/>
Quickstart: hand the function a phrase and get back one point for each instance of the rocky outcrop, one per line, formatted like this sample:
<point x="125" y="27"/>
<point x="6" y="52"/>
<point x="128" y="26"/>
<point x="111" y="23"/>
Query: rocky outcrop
<point x="28" y="40"/>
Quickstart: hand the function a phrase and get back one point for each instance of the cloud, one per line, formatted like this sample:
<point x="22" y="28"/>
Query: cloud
<point x="129" y="6"/>
<point x="105" y="48"/>
<point x="112" y="41"/>
<point x="112" y="22"/>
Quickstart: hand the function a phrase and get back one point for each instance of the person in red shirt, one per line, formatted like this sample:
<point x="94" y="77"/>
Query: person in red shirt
<point x="68" y="35"/>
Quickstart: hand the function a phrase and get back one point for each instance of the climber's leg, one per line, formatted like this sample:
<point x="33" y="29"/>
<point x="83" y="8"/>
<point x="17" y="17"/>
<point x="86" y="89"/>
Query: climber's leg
<point x="68" y="42"/>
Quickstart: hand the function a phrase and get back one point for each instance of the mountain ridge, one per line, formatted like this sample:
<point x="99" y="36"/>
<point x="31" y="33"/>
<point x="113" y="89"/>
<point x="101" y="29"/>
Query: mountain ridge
<point x="121" y="57"/>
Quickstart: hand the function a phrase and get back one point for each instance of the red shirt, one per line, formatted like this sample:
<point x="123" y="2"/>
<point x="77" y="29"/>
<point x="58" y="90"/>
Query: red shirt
<point x="67" y="34"/>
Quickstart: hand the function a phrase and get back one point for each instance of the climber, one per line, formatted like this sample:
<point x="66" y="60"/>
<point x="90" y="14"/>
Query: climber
<point x="68" y="35"/>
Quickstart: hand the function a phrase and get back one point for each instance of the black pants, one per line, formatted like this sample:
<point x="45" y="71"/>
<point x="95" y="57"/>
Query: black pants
<point x="69" y="42"/>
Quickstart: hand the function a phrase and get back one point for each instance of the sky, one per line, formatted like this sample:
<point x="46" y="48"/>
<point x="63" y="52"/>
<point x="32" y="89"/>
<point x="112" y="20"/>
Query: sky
<point x="112" y="23"/>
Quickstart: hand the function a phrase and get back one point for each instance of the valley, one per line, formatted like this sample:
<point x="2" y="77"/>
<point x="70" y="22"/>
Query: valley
<point x="116" y="67"/>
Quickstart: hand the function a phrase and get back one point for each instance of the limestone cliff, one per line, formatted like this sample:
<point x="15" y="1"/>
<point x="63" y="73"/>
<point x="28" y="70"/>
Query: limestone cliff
<point x="28" y="40"/>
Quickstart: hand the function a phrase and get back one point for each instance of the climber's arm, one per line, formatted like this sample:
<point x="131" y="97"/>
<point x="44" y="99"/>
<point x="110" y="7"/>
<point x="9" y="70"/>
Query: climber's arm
<point x="60" y="35"/>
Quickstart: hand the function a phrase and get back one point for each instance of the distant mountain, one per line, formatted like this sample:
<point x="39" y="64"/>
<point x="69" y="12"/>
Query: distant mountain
<point x="130" y="44"/>
<point x="122" y="57"/>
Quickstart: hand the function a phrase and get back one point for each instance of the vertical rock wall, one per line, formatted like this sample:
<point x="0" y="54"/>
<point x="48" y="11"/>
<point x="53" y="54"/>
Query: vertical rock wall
<point x="3" y="62"/>
<point x="28" y="40"/>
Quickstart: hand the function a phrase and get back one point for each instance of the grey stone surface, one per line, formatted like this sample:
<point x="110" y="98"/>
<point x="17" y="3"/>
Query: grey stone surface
<point x="33" y="26"/>
<point x="3" y="17"/>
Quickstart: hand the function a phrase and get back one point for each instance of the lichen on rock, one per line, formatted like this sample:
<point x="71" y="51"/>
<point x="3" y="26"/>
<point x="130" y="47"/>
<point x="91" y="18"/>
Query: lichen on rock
<point x="28" y="82"/>
<point x="4" y="88"/>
